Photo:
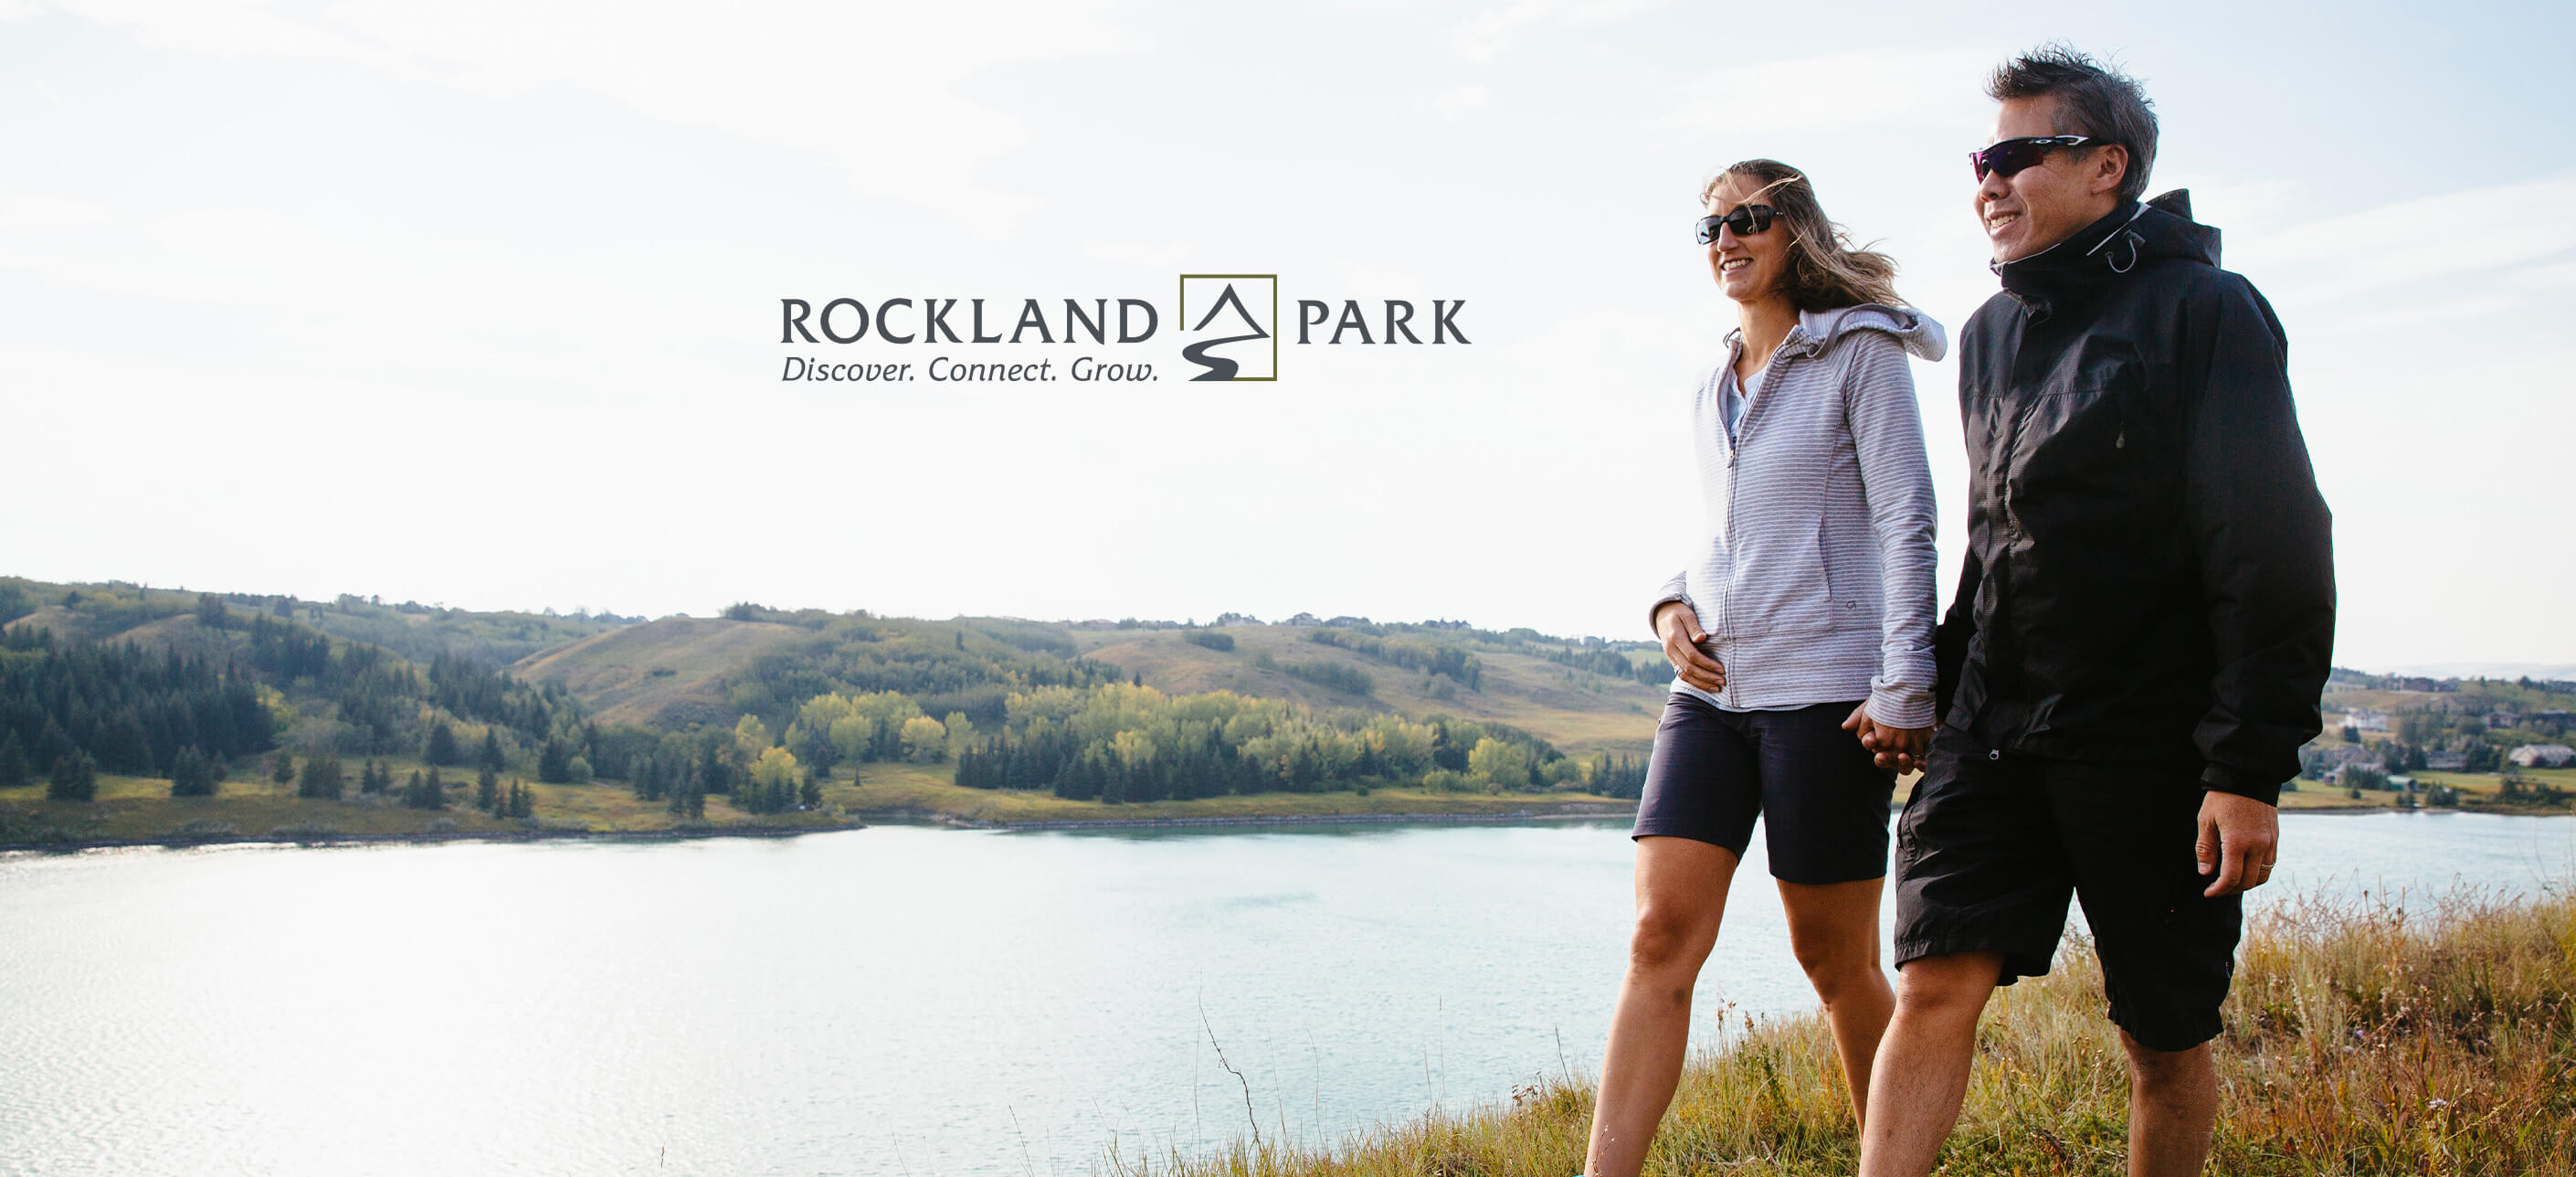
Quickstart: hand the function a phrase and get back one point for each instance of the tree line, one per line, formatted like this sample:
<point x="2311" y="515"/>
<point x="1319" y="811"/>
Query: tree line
<point x="1122" y="742"/>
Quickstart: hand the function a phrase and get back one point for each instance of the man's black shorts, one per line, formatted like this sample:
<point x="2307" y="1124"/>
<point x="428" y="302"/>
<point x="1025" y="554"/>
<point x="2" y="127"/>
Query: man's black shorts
<point x="1991" y="845"/>
<point x="1823" y="804"/>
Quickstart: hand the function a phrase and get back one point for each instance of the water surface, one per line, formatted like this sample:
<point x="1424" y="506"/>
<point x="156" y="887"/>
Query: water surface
<point x="896" y="1000"/>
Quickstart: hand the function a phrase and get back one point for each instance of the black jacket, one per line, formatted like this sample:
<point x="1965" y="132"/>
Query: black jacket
<point x="2149" y="577"/>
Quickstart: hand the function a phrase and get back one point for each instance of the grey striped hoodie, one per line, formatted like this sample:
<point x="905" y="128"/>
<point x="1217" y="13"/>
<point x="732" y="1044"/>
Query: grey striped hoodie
<point x="1815" y="579"/>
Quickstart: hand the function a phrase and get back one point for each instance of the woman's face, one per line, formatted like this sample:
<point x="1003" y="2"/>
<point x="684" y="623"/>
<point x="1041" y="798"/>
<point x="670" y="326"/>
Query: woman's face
<point x="1747" y="268"/>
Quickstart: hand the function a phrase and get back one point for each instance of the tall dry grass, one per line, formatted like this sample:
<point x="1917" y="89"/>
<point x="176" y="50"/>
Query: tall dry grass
<point x="2363" y="1037"/>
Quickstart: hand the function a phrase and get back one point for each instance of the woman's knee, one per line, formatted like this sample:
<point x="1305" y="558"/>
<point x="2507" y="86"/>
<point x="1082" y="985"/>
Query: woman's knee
<point x="1839" y="970"/>
<point x="1670" y="937"/>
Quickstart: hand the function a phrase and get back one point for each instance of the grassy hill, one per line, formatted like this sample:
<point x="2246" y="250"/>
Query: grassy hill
<point x="1580" y="711"/>
<point x="666" y="673"/>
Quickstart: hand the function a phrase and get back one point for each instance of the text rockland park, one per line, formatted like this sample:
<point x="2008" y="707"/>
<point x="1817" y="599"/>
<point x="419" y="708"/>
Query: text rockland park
<point x="1220" y="348"/>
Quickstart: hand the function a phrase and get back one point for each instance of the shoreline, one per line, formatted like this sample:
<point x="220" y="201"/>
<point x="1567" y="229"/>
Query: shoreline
<point x="859" y="820"/>
<point x="863" y="819"/>
<point x="426" y="836"/>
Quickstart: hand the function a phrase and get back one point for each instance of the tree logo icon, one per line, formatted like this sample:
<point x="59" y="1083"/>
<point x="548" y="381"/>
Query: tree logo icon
<point x="1232" y="322"/>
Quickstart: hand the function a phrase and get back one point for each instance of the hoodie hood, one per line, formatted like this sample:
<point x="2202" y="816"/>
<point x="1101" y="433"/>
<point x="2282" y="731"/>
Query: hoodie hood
<point x="1920" y="333"/>
<point x="2132" y="235"/>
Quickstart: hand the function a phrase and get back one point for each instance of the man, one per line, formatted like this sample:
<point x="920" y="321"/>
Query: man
<point x="2142" y="628"/>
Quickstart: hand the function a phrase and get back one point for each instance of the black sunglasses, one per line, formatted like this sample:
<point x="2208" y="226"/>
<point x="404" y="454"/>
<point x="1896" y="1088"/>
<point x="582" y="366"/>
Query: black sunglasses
<point x="1745" y="219"/>
<point x="2012" y="155"/>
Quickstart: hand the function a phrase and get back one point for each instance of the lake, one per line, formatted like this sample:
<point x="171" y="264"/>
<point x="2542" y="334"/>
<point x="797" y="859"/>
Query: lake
<point x="895" y="1000"/>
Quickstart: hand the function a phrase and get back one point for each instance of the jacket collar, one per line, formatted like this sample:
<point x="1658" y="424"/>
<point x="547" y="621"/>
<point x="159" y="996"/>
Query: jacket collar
<point x="2089" y="263"/>
<point x="2077" y="266"/>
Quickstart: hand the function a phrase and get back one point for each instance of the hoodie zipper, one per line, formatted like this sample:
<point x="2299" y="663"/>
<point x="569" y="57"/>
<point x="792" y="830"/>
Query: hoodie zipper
<point x="1735" y="446"/>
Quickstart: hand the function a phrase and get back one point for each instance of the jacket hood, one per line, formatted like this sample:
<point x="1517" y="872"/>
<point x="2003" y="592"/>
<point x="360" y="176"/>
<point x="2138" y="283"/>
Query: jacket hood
<point x="2133" y="234"/>
<point x="1817" y="330"/>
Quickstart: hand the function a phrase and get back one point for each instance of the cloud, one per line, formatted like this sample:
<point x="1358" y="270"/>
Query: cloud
<point x="1453" y="104"/>
<point x="1487" y="34"/>
<point x="860" y="85"/>
<point x="2455" y="233"/>
<point x="1911" y="87"/>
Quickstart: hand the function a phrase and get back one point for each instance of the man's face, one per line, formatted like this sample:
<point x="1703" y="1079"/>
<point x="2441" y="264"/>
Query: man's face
<point x="2045" y="203"/>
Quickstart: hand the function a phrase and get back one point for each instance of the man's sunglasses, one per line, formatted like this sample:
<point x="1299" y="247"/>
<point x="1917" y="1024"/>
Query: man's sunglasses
<point x="2012" y="155"/>
<point x="1745" y="219"/>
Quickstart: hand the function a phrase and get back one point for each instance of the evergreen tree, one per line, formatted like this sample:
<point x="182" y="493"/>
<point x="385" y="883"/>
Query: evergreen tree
<point x="321" y="779"/>
<point x="487" y="792"/>
<point x="554" y="765"/>
<point x="14" y="768"/>
<point x="281" y="767"/>
<point x="74" y="778"/>
<point x="192" y="774"/>
<point x="812" y="793"/>
<point x="442" y="745"/>
<point x="490" y="758"/>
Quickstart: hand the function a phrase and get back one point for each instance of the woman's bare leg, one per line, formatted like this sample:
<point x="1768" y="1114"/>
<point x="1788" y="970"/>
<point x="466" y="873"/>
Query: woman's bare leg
<point x="1681" y="896"/>
<point x="1833" y="930"/>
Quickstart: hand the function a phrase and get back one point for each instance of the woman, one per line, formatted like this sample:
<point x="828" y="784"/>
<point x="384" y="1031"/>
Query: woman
<point x="1801" y="637"/>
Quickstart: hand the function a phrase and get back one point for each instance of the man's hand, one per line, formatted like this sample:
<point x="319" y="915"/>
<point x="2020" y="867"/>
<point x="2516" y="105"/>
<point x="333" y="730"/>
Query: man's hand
<point x="1897" y="748"/>
<point x="2240" y="838"/>
<point x="1678" y="624"/>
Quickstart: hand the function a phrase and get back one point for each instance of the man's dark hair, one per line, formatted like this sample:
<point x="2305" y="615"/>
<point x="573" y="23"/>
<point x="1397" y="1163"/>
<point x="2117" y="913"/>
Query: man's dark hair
<point x="2092" y="99"/>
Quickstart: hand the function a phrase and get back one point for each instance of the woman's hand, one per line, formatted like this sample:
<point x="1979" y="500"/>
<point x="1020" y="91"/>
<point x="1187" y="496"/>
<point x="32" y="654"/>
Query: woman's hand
<point x="1898" y="748"/>
<point x="1678" y="624"/>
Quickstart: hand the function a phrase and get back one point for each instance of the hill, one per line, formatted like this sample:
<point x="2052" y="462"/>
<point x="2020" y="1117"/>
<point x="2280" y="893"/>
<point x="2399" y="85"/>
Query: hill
<point x="668" y="673"/>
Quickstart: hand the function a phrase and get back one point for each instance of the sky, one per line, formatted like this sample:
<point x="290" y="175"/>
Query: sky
<point x="479" y="303"/>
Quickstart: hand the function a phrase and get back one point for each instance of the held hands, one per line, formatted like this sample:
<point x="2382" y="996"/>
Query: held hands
<point x="1898" y="748"/>
<point x="1678" y="625"/>
<point x="2240" y="839"/>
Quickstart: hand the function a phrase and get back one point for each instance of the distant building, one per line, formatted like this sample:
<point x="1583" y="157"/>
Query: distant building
<point x="2366" y="719"/>
<point x="2446" y="761"/>
<point x="2338" y="755"/>
<point x="2502" y="719"/>
<point x="2542" y="755"/>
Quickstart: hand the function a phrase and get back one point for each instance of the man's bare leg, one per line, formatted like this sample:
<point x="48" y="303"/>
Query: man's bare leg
<point x="2173" y="1105"/>
<point x="1922" y="1071"/>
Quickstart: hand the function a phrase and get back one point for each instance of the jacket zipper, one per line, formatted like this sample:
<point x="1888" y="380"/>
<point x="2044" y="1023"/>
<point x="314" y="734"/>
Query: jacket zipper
<point x="1734" y="446"/>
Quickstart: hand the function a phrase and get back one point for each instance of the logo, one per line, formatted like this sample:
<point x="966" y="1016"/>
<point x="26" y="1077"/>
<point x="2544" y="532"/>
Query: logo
<point x="1233" y="321"/>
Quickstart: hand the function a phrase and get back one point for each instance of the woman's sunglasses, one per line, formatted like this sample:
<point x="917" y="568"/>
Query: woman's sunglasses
<point x="1745" y="219"/>
<point x="2012" y="155"/>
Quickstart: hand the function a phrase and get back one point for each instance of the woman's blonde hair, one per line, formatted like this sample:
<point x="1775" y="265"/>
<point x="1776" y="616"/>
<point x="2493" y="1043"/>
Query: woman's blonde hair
<point x="1825" y="271"/>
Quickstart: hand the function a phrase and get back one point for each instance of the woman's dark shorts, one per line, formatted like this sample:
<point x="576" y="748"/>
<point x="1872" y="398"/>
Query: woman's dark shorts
<point x="1823" y="804"/>
<point x="1992" y="844"/>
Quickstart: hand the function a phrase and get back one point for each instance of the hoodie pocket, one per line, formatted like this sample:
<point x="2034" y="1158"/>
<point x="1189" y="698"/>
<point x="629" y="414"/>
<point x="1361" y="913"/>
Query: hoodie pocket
<point x="1781" y="585"/>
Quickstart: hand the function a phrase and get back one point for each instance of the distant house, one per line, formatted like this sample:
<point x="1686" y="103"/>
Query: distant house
<point x="2543" y="756"/>
<point x="2366" y="719"/>
<point x="2446" y="761"/>
<point x="2502" y="719"/>
<point x="2338" y="755"/>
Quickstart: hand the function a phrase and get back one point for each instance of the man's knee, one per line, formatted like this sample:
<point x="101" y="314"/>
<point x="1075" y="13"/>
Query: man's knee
<point x="2151" y="1068"/>
<point x="1951" y="983"/>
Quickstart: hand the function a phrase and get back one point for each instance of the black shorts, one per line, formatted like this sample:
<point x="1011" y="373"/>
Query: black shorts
<point x="1822" y="802"/>
<point x="1992" y="844"/>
